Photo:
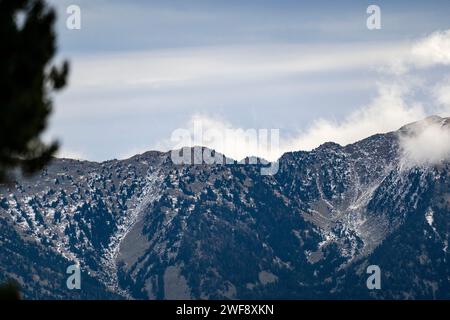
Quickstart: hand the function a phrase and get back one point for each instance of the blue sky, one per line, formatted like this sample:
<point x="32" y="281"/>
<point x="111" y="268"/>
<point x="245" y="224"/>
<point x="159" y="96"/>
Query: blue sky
<point x="141" y="69"/>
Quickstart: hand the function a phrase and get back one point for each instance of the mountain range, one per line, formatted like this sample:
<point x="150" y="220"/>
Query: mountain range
<point x="146" y="228"/>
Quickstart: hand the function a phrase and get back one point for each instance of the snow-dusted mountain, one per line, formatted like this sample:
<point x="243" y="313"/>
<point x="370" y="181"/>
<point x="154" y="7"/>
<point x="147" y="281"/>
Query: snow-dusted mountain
<point x="145" y="228"/>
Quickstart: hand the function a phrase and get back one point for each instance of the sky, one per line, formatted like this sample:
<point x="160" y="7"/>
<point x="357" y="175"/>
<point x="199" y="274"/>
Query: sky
<point x="140" y="70"/>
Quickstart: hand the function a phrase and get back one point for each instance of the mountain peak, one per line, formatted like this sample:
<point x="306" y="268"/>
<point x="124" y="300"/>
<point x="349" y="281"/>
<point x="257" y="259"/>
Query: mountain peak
<point x="430" y="120"/>
<point x="329" y="145"/>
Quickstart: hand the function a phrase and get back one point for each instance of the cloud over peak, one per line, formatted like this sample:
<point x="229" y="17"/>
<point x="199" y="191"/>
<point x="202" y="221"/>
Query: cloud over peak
<point x="426" y="142"/>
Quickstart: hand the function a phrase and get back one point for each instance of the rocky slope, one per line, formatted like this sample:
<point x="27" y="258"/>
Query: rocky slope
<point x="145" y="228"/>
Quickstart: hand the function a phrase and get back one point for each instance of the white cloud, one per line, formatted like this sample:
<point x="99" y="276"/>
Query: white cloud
<point x="441" y="95"/>
<point x="427" y="52"/>
<point x="165" y="70"/>
<point x="71" y="154"/>
<point x="222" y="136"/>
<point x="432" y="50"/>
<point x="426" y="144"/>
<point x="387" y="112"/>
<point x="391" y="108"/>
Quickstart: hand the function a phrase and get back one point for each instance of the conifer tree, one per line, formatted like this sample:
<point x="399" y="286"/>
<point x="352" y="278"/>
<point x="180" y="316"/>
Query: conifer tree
<point x="27" y="81"/>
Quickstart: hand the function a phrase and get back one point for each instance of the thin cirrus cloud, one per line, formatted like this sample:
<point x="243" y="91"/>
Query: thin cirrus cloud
<point x="180" y="67"/>
<point x="177" y="79"/>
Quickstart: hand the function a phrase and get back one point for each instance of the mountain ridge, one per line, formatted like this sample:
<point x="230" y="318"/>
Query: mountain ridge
<point x="145" y="228"/>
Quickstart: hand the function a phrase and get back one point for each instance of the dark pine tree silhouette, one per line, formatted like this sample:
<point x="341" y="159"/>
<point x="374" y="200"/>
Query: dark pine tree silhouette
<point x="9" y="291"/>
<point x="27" y="80"/>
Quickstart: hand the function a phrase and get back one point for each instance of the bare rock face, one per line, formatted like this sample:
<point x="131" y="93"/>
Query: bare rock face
<point x="145" y="228"/>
